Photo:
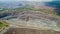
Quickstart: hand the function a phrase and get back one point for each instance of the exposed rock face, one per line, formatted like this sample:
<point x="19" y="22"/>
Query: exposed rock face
<point x="32" y="18"/>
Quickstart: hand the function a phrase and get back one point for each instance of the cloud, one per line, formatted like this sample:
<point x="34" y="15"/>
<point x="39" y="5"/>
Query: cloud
<point x="39" y="0"/>
<point x="25" y="0"/>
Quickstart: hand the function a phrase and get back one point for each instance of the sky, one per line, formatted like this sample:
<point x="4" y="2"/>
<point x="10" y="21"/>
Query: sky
<point x="25" y="0"/>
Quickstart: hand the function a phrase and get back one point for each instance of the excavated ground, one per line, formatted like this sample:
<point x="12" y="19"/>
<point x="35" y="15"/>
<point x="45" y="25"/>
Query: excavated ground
<point x="30" y="31"/>
<point x="32" y="19"/>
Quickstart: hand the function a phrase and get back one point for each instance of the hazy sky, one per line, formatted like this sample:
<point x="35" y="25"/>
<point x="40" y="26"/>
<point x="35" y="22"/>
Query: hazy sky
<point x="25" y="0"/>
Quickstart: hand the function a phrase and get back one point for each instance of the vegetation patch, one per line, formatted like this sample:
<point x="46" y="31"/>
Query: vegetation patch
<point x="3" y="24"/>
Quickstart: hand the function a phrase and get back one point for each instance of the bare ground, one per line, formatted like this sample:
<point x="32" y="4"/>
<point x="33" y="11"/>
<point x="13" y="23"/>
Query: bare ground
<point x="30" y="31"/>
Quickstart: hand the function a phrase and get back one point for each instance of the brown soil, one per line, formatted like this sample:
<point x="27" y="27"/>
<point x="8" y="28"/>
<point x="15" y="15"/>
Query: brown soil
<point x="29" y="31"/>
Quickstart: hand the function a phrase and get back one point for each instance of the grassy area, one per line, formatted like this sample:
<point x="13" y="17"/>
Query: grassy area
<point x="3" y="24"/>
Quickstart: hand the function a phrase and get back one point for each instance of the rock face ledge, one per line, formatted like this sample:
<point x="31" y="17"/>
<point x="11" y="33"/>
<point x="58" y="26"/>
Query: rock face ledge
<point x="31" y="19"/>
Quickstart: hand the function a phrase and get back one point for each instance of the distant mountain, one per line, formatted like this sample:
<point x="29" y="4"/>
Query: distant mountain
<point x="18" y="4"/>
<point x="10" y="4"/>
<point x="53" y="4"/>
